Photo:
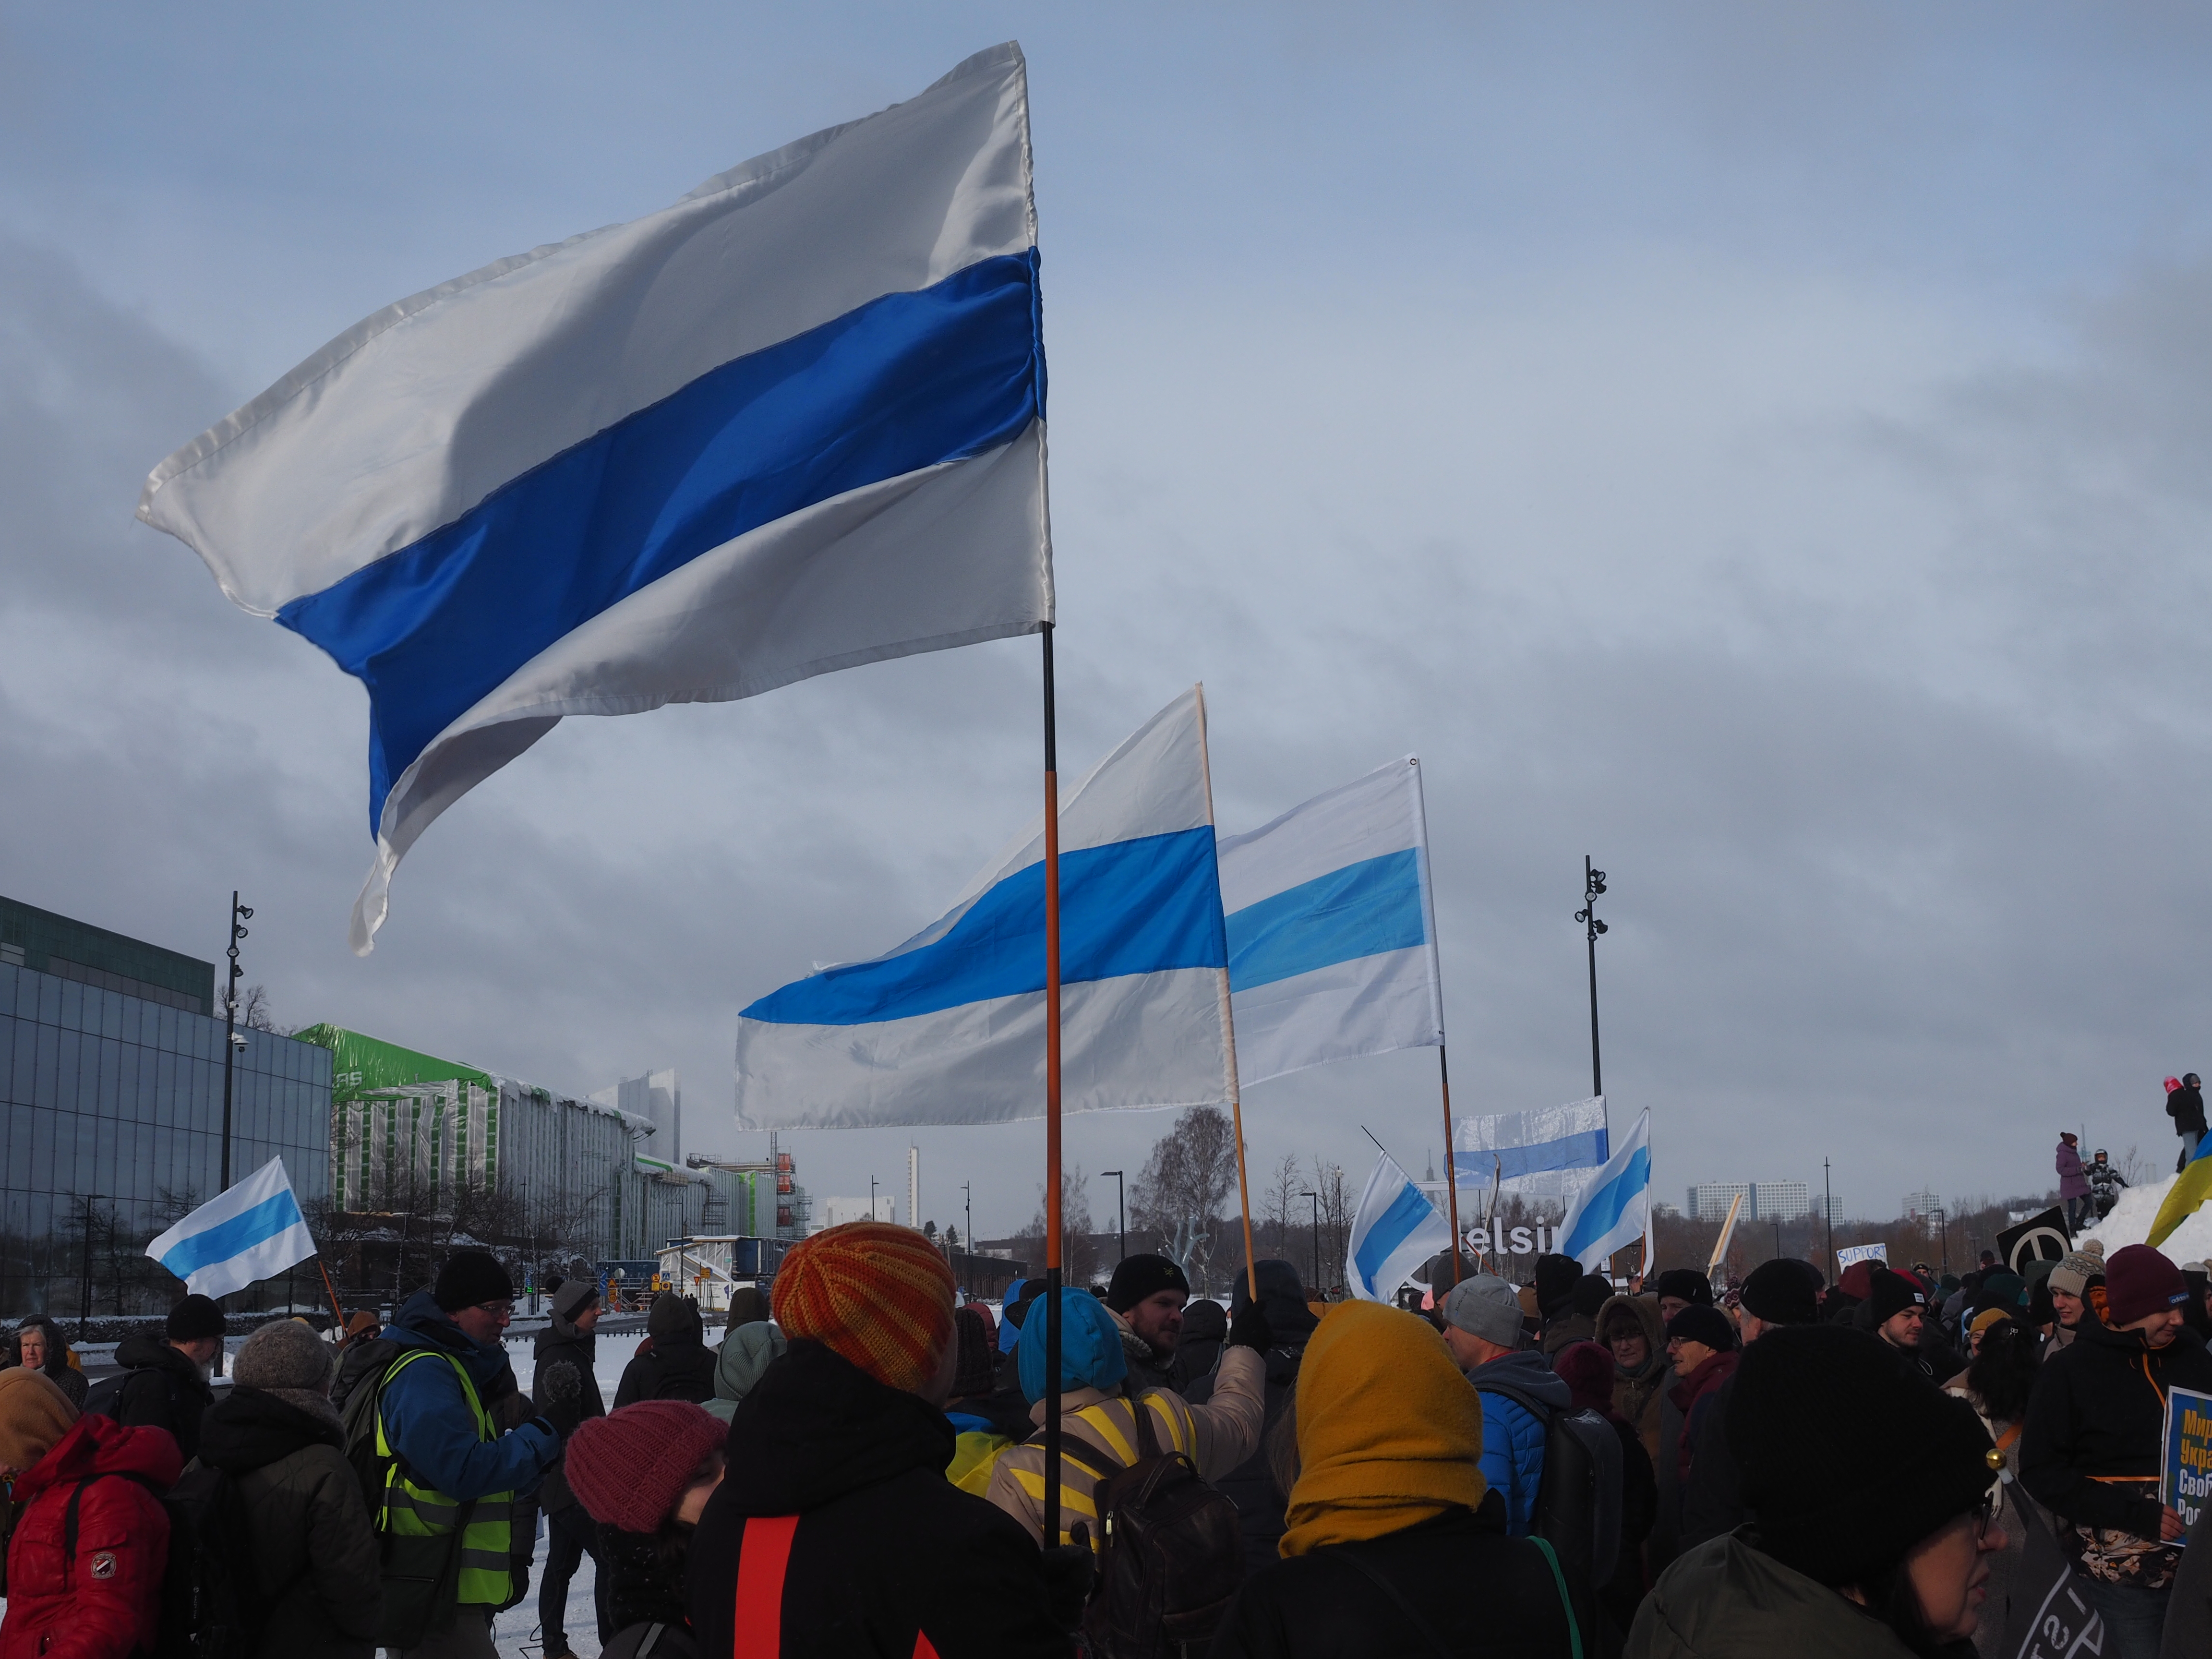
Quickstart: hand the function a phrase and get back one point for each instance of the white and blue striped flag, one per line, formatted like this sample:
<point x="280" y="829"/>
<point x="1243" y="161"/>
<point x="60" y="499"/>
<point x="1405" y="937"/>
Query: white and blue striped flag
<point x="1332" y="938"/>
<point x="792" y="424"/>
<point x="1614" y="1210"/>
<point x="250" y="1231"/>
<point x="949" y="1027"/>
<point x="1395" y="1229"/>
<point x="1539" y="1151"/>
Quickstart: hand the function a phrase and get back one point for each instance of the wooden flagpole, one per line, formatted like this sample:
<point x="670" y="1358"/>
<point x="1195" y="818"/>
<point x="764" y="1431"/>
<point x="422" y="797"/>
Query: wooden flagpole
<point x="332" y="1289"/>
<point x="1052" y="1150"/>
<point x="1229" y="1037"/>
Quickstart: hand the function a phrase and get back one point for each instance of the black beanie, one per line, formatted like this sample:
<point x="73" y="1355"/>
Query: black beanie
<point x="1707" y="1325"/>
<point x="1136" y="1277"/>
<point x="1784" y="1291"/>
<point x="1556" y="1279"/>
<point x="194" y="1317"/>
<point x="1591" y="1294"/>
<point x="1893" y="1293"/>
<point x="1687" y="1283"/>
<point x="469" y="1277"/>
<point x="1849" y="1457"/>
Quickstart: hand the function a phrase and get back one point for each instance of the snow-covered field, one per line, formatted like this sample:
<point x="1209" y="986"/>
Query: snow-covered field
<point x="2130" y="1224"/>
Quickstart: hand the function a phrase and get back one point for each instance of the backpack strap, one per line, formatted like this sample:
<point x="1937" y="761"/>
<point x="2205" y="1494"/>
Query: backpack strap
<point x="68" y="1529"/>
<point x="1574" y="1630"/>
<point x="756" y="1621"/>
<point x="1422" y="1627"/>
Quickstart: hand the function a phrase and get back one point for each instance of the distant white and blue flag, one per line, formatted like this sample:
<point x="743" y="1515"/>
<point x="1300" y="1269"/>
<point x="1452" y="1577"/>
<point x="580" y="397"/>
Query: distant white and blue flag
<point x="251" y="1231"/>
<point x="792" y="424"/>
<point x="1614" y="1211"/>
<point x="1395" y="1229"/>
<point x="1541" y="1151"/>
<point x="1332" y="936"/>
<point x="949" y="1027"/>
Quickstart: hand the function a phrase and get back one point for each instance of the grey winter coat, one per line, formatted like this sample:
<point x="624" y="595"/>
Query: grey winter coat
<point x="311" y="1535"/>
<point x="1725" y="1600"/>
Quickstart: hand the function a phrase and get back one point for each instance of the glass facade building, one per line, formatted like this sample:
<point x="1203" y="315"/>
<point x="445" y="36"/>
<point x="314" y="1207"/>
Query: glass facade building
<point x="112" y="1129"/>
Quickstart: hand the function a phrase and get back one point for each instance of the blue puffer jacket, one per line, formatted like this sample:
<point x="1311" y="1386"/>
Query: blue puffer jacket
<point x="1519" y="1394"/>
<point x="427" y="1418"/>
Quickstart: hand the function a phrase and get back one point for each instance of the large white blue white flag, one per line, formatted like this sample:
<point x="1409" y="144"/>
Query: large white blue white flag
<point x="792" y="423"/>
<point x="250" y="1231"/>
<point x="1546" y="1151"/>
<point x="1395" y="1229"/>
<point x="949" y="1027"/>
<point x="1332" y="936"/>
<point x="1614" y="1210"/>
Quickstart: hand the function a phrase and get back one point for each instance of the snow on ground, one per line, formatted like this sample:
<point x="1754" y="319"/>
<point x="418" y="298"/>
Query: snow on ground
<point x="2130" y="1224"/>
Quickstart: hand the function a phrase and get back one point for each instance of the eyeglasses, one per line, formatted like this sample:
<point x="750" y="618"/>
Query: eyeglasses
<point x="498" y="1309"/>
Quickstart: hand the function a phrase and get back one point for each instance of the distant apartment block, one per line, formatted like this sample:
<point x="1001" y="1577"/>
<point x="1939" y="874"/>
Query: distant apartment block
<point x="1781" y="1201"/>
<point x="1763" y="1200"/>
<point x="1917" y="1205"/>
<point x="1710" y="1200"/>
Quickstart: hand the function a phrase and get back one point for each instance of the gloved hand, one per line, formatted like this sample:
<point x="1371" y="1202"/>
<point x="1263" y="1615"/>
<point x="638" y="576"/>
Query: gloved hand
<point x="1250" y="1330"/>
<point x="561" y="1396"/>
<point x="1067" y="1571"/>
<point x="551" y="1428"/>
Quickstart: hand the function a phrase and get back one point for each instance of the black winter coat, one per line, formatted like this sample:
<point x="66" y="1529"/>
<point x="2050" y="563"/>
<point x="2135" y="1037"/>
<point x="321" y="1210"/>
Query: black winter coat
<point x="164" y="1390"/>
<point x="644" y="1576"/>
<point x="1205" y="1328"/>
<point x="1251" y="1485"/>
<point x="358" y="1360"/>
<point x="1713" y="1502"/>
<point x="576" y="1348"/>
<point x="678" y="1368"/>
<point x="1481" y="1593"/>
<point x="2096" y="1409"/>
<point x="886" y="1549"/>
<point x="2185" y="1106"/>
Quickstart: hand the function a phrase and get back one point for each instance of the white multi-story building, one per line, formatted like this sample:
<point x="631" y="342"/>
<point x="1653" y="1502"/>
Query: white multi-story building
<point x="1780" y="1200"/>
<point x="658" y="1099"/>
<point x="1709" y="1199"/>
<point x="837" y="1212"/>
<point x="1922" y="1204"/>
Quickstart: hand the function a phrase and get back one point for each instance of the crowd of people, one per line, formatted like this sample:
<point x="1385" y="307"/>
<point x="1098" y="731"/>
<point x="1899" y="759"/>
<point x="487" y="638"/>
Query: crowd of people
<point x="862" y="1464"/>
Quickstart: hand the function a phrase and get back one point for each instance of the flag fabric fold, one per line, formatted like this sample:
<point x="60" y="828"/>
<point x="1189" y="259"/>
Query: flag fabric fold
<point x="251" y="1231"/>
<point x="949" y="1027"/>
<point x="791" y="424"/>
<point x="2186" y="1195"/>
<point x="1332" y="935"/>
<point x="1513" y="1146"/>
<point x="1614" y="1210"/>
<point x="1394" y="1232"/>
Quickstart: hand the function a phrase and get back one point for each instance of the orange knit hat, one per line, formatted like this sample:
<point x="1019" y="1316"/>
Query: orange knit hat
<point x="875" y="1294"/>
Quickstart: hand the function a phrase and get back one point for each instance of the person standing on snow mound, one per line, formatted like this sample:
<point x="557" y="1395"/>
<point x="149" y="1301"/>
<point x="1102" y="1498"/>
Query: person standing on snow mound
<point x="835" y="1530"/>
<point x="1870" y="1537"/>
<point x="2073" y="1183"/>
<point x="2185" y="1104"/>
<point x="1146" y="1296"/>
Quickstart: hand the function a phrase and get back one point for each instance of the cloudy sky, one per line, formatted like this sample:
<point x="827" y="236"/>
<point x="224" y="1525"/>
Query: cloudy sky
<point x="1764" y="448"/>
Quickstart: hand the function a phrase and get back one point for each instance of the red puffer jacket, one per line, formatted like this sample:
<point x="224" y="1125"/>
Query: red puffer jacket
<point x="105" y="1602"/>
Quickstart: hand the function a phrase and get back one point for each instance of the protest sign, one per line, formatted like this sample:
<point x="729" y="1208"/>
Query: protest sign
<point x="1855" y="1252"/>
<point x="2186" y="1467"/>
<point x="2042" y="1238"/>
<point x="2047" y="1616"/>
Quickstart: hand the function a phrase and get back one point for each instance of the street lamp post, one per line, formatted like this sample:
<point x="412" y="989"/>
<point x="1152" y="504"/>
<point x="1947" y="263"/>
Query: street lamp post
<point x="1828" y="1213"/>
<point x="871" y="1198"/>
<point x="1121" y="1219"/>
<point x="232" y="1042"/>
<point x="1317" y="1239"/>
<point x="1593" y="886"/>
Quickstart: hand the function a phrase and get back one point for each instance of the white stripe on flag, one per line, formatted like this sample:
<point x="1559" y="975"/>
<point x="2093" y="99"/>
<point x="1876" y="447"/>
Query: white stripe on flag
<point x="1614" y="1210"/>
<point x="1394" y="1232"/>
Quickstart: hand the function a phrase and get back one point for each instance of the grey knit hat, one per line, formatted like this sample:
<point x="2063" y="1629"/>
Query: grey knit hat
<point x="2074" y="1271"/>
<point x="285" y="1353"/>
<point x="574" y="1296"/>
<point x="1487" y="1307"/>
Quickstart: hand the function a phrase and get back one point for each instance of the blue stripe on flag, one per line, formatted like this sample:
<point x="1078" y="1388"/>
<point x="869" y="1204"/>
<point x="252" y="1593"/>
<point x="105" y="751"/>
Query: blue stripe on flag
<point x="1587" y="1151"/>
<point x="901" y="383"/>
<point x="264" y="1221"/>
<point x="1361" y="910"/>
<point x="1608" y="1205"/>
<point x="1408" y="1211"/>
<point x="1130" y="907"/>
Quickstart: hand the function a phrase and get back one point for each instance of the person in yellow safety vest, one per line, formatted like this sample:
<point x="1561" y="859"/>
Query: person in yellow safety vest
<point x="447" y="1451"/>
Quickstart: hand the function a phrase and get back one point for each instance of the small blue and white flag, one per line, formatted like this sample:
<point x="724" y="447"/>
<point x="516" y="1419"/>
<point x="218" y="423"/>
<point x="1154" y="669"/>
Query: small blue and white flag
<point x="1614" y="1210"/>
<point x="792" y="424"/>
<point x="1394" y="1232"/>
<point x="251" y="1231"/>
<point x="949" y="1027"/>
<point x="1552" y="1141"/>
<point x="1332" y="938"/>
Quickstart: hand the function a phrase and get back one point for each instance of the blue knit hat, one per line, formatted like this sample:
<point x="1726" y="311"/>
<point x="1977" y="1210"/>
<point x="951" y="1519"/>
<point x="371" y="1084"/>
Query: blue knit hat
<point x="1090" y="1354"/>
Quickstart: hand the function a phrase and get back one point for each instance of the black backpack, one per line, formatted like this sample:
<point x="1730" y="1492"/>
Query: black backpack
<point x="212" y="1606"/>
<point x="1172" y="1553"/>
<point x="1578" y="1508"/>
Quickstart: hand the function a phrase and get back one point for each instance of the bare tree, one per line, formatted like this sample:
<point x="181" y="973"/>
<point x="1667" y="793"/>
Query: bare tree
<point x="253" y="1011"/>
<point x="1335" y="1217"/>
<point x="1077" y="1250"/>
<point x="1185" y="1183"/>
<point x="1279" y="1205"/>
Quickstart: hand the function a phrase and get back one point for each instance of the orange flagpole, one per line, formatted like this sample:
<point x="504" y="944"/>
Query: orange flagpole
<point x="1052" y="1148"/>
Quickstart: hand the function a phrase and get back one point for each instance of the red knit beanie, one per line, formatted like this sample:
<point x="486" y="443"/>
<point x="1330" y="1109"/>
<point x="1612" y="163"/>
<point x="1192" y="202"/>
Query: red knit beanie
<point x="2138" y="1282"/>
<point x="877" y="1295"/>
<point x="629" y="1468"/>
